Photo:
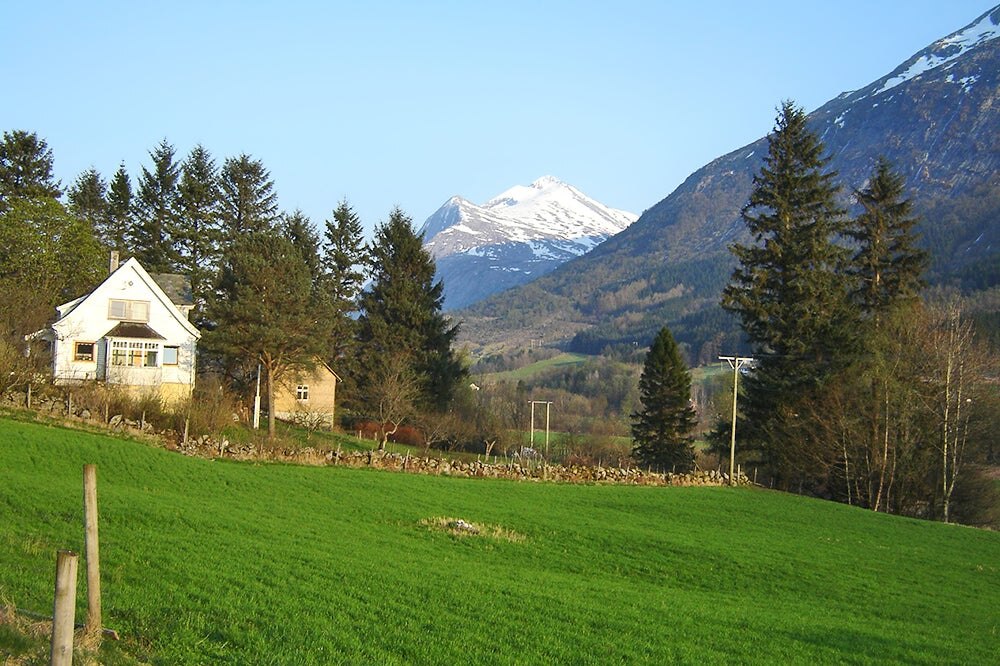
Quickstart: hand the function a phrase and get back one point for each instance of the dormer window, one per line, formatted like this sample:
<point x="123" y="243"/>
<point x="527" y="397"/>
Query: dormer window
<point x="124" y="310"/>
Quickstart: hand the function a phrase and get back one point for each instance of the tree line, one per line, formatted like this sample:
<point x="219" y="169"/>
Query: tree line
<point x="269" y="290"/>
<point x="860" y="390"/>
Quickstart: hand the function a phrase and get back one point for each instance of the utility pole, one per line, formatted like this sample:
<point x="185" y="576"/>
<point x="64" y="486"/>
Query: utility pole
<point x="531" y="427"/>
<point x="547" y="406"/>
<point x="735" y="362"/>
<point x="256" y="402"/>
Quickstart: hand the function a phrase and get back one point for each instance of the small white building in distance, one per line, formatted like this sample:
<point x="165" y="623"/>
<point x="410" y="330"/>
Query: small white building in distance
<point x="131" y="331"/>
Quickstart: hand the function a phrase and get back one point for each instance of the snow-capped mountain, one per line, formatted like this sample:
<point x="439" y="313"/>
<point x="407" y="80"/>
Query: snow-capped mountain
<point x="514" y="237"/>
<point x="936" y="117"/>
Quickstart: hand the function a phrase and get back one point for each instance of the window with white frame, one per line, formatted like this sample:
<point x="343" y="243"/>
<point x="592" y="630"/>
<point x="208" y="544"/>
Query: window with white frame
<point x="302" y="392"/>
<point x="127" y="353"/>
<point x="83" y="351"/>
<point x="170" y="355"/>
<point x="126" y="310"/>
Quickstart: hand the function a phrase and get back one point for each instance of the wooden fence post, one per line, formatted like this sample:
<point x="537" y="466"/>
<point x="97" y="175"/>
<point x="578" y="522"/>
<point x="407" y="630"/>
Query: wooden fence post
<point x="64" y="609"/>
<point x="94" y="621"/>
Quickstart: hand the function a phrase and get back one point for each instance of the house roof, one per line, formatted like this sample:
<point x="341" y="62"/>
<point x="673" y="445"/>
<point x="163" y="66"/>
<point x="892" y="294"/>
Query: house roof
<point x="178" y="282"/>
<point x="130" y="329"/>
<point x="325" y="365"/>
<point x="177" y="287"/>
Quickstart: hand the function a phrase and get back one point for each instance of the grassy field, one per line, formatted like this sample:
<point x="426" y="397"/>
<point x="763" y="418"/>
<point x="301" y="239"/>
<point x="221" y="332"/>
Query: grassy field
<point x="704" y="372"/>
<point x="216" y="562"/>
<point x="567" y="360"/>
<point x="562" y="360"/>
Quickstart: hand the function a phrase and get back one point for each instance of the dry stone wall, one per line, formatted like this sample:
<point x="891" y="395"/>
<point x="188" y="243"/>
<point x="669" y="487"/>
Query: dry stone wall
<point x="495" y="469"/>
<point x="524" y="470"/>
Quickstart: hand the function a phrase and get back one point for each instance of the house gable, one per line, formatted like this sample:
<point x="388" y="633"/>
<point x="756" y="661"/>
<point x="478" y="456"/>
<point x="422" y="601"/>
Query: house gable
<point x="126" y="331"/>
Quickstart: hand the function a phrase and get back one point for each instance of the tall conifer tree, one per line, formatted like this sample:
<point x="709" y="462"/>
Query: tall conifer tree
<point x="88" y="200"/>
<point x="249" y="202"/>
<point x="789" y="289"/>
<point x="877" y="392"/>
<point x="343" y="257"/>
<point x="199" y="231"/>
<point x="662" y="429"/>
<point x="121" y="216"/>
<point x="25" y="168"/>
<point x="156" y="212"/>
<point x="298" y="229"/>
<point x="888" y="265"/>
<point x="401" y="314"/>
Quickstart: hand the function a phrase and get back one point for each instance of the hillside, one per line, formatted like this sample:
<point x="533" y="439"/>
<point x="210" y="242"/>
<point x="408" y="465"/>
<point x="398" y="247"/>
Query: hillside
<point x="216" y="562"/>
<point x="936" y="117"/>
<point x="517" y="236"/>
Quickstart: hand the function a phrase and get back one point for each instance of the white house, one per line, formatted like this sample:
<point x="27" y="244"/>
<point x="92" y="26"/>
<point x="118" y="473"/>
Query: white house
<point x="131" y="331"/>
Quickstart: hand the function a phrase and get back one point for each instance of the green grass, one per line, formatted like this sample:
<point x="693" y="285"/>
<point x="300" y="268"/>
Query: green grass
<point x="703" y="372"/>
<point x="221" y="562"/>
<point x="563" y="360"/>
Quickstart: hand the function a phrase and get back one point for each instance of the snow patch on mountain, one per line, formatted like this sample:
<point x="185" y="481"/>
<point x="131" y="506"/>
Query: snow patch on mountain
<point x="945" y="50"/>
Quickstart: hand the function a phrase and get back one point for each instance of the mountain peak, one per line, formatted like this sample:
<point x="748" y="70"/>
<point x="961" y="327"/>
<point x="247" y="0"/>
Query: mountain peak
<point x="546" y="181"/>
<point x="946" y="50"/>
<point x="522" y="233"/>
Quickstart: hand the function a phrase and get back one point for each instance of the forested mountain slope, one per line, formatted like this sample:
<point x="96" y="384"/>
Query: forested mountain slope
<point x="936" y="117"/>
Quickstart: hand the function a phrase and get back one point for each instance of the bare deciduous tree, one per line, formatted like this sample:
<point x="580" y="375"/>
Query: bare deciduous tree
<point x="955" y="376"/>
<point x="393" y="393"/>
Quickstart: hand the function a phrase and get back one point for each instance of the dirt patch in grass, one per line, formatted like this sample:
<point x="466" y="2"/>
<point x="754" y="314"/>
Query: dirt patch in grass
<point x="465" y="528"/>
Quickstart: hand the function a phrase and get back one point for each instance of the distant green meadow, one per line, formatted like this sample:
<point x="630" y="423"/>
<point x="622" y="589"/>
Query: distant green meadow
<point x="561" y="361"/>
<point x="223" y="562"/>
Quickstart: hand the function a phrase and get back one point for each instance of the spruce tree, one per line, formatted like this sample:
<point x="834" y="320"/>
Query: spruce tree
<point x="401" y="314"/>
<point x="156" y="212"/>
<point x="885" y="277"/>
<point x="298" y="229"/>
<point x="121" y="217"/>
<point x="199" y="231"/>
<point x="342" y="259"/>
<point x="789" y="289"/>
<point x="249" y="202"/>
<point x="88" y="201"/>
<point x="887" y="266"/>
<point x="662" y="429"/>
<point x="25" y="168"/>
<point x="343" y="256"/>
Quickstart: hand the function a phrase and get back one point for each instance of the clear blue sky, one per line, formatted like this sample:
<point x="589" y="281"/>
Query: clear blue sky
<point x="409" y="103"/>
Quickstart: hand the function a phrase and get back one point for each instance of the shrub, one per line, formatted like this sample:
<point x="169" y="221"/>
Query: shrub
<point x="208" y="411"/>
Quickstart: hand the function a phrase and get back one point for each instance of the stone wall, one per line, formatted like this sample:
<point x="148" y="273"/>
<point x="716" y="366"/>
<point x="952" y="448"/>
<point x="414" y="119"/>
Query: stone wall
<point x="520" y="470"/>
